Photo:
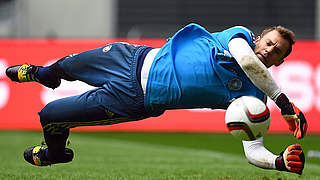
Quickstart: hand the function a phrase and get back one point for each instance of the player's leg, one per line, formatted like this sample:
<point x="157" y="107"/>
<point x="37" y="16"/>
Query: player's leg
<point x="95" y="67"/>
<point x="89" y="109"/>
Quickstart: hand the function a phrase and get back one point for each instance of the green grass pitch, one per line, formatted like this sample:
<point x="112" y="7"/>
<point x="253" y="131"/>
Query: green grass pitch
<point x="148" y="156"/>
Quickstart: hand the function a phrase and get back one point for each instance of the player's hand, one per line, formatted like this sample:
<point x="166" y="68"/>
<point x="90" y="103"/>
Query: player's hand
<point x="297" y="122"/>
<point x="291" y="160"/>
<point x="293" y="115"/>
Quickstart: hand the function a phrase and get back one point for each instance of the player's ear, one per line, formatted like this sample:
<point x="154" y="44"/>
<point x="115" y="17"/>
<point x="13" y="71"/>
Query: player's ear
<point x="257" y="39"/>
<point x="279" y="63"/>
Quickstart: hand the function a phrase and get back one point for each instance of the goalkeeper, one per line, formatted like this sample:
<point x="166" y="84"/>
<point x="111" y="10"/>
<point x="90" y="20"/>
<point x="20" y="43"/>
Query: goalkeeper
<point x="136" y="82"/>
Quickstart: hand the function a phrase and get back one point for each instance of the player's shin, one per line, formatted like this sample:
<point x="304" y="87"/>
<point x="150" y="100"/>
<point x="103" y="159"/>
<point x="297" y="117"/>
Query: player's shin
<point x="57" y="146"/>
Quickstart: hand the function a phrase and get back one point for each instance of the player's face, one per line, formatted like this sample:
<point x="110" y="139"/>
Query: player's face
<point x="271" y="48"/>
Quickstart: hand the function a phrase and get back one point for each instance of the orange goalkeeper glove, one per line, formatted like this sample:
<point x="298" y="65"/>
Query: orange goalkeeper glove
<point x="294" y="117"/>
<point x="291" y="160"/>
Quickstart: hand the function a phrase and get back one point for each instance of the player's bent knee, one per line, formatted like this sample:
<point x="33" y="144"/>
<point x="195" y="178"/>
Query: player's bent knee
<point x="46" y="115"/>
<point x="48" y="120"/>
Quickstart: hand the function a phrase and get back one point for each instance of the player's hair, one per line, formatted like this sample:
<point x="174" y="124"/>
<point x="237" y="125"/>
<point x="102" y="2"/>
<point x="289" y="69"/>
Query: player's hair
<point x="286" y="33"/>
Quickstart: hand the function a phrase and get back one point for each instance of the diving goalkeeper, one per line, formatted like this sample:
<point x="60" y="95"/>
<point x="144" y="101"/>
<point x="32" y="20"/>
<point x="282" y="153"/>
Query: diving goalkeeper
<point x="135" y="82"/>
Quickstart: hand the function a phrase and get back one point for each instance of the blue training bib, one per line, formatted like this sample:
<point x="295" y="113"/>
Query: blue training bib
<point x="194" y="69"/>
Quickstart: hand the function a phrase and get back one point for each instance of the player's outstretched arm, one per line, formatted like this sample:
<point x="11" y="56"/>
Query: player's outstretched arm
<point x="260" y="76"/>
<point x="291" y="160"/>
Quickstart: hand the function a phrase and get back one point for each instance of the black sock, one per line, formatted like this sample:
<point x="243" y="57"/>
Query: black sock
<point x="56" y="146"/>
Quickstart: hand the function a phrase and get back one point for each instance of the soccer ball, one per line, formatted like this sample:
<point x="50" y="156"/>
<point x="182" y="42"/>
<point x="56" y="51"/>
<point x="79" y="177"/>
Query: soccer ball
<point x="247" y="118"/>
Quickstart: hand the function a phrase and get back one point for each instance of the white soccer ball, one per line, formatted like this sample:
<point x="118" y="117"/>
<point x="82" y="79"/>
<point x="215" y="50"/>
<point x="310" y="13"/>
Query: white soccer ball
<point x="247" y="118"/>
